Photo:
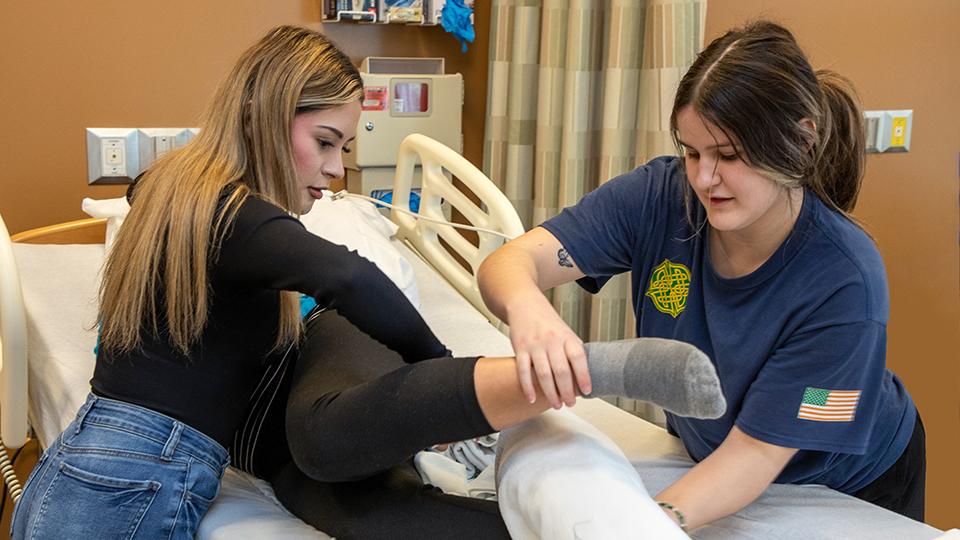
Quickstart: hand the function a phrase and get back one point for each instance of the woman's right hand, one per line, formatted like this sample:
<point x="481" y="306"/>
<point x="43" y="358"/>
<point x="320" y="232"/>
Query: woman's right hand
<point x="548" y="349"/>
<point x="511" y="281"/>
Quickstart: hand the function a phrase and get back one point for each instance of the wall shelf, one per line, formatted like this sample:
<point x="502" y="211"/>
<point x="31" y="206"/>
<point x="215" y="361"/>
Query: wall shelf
<point x="427" y="13"/>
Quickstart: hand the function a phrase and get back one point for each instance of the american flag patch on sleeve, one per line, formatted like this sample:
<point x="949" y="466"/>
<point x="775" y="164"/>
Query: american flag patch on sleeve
<point x="828" y="405"/>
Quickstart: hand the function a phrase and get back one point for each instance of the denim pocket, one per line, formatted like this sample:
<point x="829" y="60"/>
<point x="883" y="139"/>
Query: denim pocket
<point x="193" y="509"/>
<point x="202" y="487"/>
<point x="75" y="495"/>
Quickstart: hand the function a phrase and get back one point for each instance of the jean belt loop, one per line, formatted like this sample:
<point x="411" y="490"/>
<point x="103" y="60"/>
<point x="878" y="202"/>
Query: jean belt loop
<point x="82" y="413"/>
<point x="172" y="441"/>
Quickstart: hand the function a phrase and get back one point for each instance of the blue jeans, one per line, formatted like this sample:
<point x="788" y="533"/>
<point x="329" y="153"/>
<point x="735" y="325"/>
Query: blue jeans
<point x="121" y="471"/>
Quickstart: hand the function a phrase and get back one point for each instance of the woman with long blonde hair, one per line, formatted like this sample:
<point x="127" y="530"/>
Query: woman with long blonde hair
<point x="199" y="309"/>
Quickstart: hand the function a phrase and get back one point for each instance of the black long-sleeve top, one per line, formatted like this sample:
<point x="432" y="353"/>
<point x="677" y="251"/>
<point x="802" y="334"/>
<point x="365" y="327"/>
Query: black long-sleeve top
<point x="266" y="251"/>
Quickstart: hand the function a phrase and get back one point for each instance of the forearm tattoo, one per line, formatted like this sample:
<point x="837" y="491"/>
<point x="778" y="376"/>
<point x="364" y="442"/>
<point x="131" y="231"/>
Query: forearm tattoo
<point x="563" y="258"/>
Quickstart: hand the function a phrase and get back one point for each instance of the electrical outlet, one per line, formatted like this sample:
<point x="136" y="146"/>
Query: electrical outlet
<point x="888" y="131"/>
<point x="119" y="155"/>
<point x="112" y="155"/>
<point x="901" y="123"/>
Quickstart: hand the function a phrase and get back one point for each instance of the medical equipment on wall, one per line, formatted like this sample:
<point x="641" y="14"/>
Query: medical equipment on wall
<point x="401" y="96"/>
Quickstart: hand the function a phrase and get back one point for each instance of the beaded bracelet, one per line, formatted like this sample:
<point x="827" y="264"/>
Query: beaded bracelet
<point x="681" y="519"/>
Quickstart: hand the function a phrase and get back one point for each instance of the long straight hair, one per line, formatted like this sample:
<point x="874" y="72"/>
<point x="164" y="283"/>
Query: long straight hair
<point x="756" y="85"/>
<point x="156" y="276"/>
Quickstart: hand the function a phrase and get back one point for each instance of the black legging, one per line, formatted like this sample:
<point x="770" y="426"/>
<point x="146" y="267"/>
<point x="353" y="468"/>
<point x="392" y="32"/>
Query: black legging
<point x="901" y="488"/>
<point x="355" y="416"/>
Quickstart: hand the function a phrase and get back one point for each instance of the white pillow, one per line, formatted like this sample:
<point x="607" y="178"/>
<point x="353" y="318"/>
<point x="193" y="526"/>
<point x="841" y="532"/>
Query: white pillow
<point x="359" y="226"/>
<point x="356" y="225"/>
<point x="115" y="210"/>
<point x="248" y="508"/>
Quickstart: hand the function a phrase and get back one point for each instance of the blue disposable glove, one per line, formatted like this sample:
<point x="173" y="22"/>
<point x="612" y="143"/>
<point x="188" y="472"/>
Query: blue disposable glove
<point x="455" y="18"/>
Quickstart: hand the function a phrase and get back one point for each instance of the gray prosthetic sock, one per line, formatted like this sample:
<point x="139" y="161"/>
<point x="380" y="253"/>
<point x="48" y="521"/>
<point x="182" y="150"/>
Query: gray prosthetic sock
<point x="674" y="375"/>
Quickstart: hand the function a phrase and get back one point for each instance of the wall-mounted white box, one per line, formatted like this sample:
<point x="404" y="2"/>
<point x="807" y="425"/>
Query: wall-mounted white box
<point x="872" y="121"/>
<point x="112" y="155"/>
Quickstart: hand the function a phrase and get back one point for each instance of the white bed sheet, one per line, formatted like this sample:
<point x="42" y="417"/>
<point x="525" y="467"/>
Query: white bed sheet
<point x="60" y="286"/>
<point x="60" y="294"/>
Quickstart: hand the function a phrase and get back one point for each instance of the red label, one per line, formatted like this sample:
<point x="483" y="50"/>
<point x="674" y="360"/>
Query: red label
<point x="374" y="98"/>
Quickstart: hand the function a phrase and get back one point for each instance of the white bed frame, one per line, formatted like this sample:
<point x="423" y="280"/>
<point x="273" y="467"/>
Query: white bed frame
<point x="496" y="213"/>
<point x="13" y="338"/>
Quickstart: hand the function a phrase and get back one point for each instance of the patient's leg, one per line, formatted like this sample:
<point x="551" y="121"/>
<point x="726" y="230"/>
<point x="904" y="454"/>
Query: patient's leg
<point x="357" y="413"/>
<point x="389" y="505"/>
<point x="356" y="409"/>
<point x="561" y="478"/>
<point x="355" y="416"/>
<point x="672" y="374"/>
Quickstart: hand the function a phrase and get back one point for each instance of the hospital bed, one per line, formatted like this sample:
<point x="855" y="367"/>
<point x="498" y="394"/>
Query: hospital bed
<point x="49" y="334"/>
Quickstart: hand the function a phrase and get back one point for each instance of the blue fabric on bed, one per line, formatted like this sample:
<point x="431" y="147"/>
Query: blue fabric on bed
<point x="307" y="303"/>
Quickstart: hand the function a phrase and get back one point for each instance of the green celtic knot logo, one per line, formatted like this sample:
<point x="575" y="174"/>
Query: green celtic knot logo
<point x="669" y="285"/>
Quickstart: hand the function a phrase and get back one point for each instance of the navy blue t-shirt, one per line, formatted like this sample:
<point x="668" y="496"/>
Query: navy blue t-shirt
<point x="799" y="344"/>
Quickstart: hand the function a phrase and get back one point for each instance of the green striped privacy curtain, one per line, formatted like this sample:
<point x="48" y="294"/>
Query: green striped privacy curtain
<point x="579" y="92"/>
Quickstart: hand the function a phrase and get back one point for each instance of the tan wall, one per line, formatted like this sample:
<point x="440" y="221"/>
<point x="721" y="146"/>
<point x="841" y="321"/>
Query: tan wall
<point x="902" y="55"/>
<point x="66" y="66"/>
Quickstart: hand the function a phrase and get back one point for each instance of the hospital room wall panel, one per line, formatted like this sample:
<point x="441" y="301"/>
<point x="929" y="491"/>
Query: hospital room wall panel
<point x="901" y="55"/>
<point x="66" y="66"/>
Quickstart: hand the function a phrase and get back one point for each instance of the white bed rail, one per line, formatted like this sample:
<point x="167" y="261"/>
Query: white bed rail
<point x="494" y="212"/>
<point x="13" y="338"/>
<point x="13" y="362"/>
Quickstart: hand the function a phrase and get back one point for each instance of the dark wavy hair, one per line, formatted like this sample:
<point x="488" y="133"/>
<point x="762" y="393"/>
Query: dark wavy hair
<point x="757" y="86"/>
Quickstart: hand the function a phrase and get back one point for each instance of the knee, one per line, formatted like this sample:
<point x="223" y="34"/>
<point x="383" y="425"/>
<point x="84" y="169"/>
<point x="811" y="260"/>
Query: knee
<point x="322" y="450"/>
<point x="312" y="462"/>
<point x="326" y="464"/>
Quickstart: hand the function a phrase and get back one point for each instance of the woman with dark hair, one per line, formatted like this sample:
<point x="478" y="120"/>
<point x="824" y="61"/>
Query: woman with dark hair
<point x="744" y="247"/>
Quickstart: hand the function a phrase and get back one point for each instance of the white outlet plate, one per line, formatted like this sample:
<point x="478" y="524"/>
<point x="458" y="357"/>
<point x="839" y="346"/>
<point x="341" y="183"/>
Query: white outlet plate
<point x="112" y="155"/>
<point x="873" y="121"/>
